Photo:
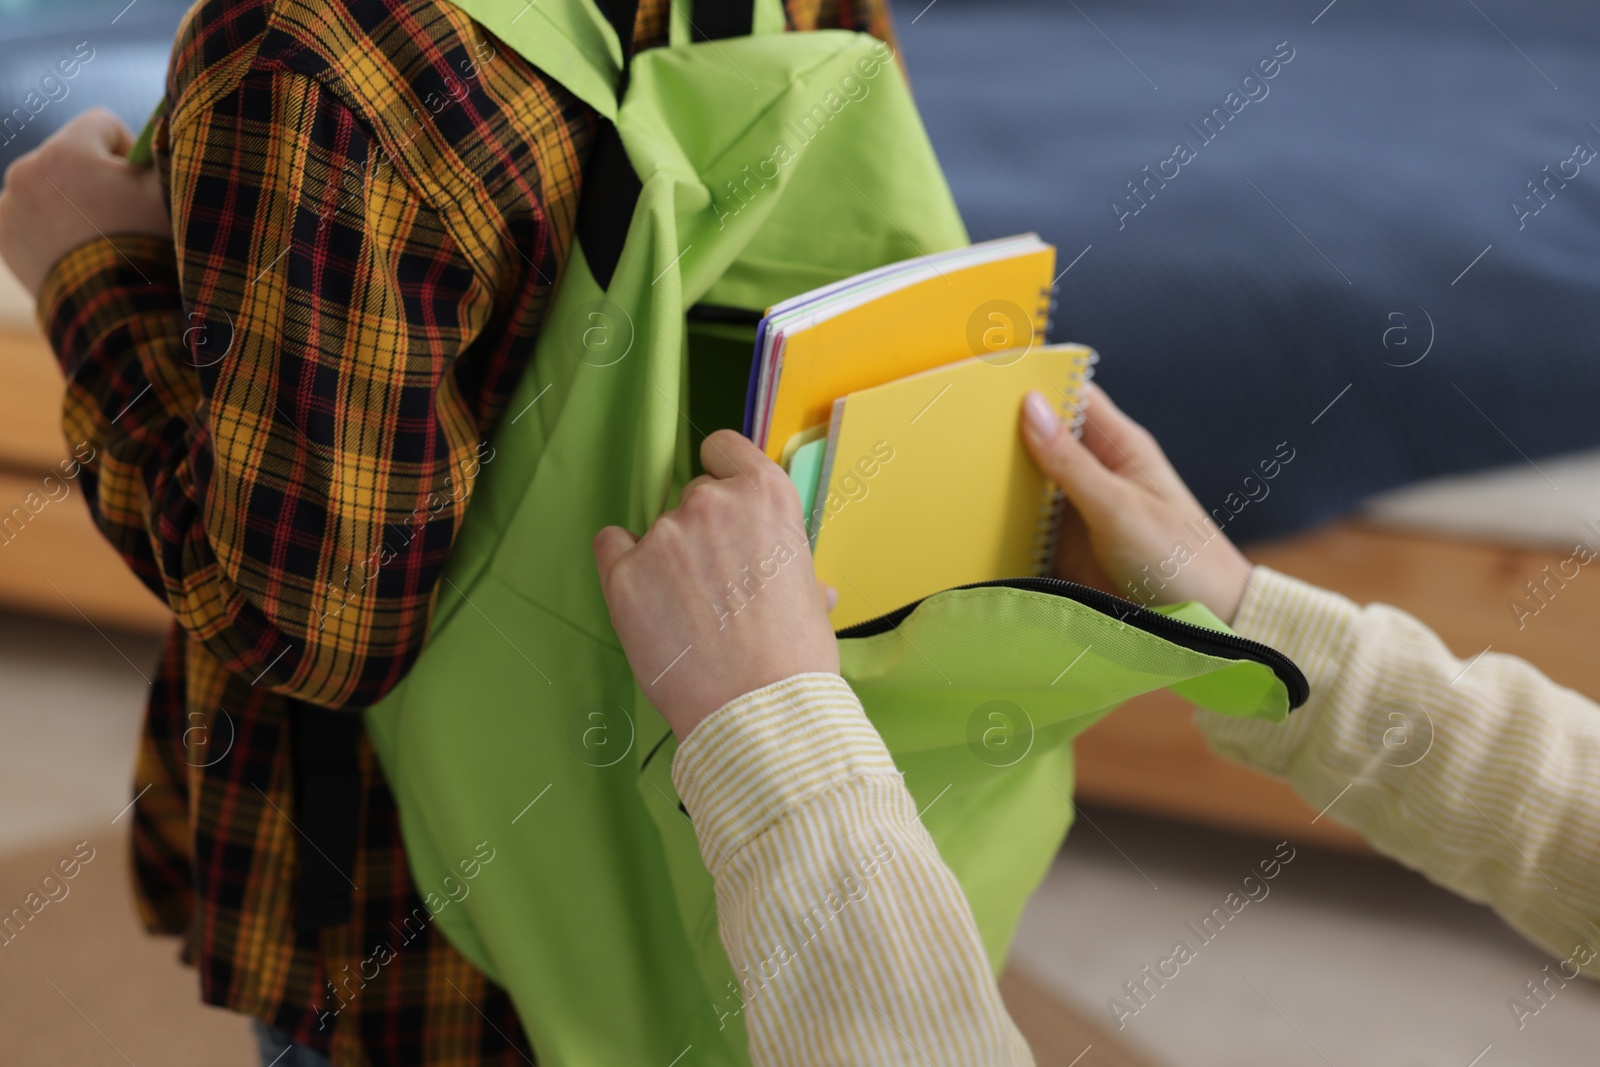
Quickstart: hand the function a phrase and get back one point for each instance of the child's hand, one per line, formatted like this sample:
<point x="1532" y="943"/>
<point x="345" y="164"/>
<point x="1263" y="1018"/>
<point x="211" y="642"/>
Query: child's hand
<point x="718" y="598"/>
<point x="1138" y="531"/>
<point x="73" y="188"/>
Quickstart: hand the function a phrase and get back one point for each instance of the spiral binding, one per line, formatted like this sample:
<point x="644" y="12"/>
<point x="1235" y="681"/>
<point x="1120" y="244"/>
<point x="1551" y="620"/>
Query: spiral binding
<point x="1044" y="314"/>
<point x="1052" y="509"/>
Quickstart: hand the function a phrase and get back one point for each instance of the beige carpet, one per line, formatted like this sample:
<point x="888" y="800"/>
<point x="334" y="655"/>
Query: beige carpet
<point x="82" y="986"/>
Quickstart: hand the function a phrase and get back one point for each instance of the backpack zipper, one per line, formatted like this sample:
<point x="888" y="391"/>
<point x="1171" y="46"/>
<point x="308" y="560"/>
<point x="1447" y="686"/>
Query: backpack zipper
<point x="1184" y="634"/>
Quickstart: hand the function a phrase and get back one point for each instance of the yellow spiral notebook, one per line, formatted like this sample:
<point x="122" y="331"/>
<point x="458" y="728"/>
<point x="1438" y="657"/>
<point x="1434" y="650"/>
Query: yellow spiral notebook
<point x="887" y="323"/>
<point x="926" y="483"/>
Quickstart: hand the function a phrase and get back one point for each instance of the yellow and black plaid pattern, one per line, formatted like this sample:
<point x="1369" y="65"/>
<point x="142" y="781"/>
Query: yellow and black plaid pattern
<point x="371" y="200"/>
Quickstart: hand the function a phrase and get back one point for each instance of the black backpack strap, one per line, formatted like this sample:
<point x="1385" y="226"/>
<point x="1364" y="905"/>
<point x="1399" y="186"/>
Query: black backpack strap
<point x="715" y="20"/>
<point x="610" y="187"/>
<point x="327" y="802"/>
<point x="605" y="209"/>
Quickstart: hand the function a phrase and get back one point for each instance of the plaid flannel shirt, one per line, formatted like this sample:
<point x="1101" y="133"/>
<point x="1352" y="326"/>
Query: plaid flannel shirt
<point x="288" y="402"/>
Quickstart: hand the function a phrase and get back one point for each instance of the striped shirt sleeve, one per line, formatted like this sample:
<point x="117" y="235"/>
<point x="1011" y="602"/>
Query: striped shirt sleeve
<point x="850" y="938"/>
<point x="1483" y="775"/>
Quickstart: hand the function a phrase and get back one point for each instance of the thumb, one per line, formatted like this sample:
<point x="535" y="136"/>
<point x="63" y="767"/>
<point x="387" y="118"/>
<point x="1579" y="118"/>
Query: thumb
<point x="102" y="128"/>
<point x="610" y="545"/>
<point x="1093" y="490"/>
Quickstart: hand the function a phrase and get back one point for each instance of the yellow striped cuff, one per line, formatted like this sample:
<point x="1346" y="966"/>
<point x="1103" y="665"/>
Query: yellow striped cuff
<point x="1311" y="626"/>
<point x="770" y="751"/>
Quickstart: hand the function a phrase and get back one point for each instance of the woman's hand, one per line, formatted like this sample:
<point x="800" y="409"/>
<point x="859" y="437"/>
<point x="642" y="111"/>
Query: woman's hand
<point x="73" y="188"/>
<point x="1137" y="531"/>
<point x="718" y="598"/>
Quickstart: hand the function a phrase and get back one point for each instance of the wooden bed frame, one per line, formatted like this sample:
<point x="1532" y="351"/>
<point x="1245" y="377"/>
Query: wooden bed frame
<point x="1147" y="757"/>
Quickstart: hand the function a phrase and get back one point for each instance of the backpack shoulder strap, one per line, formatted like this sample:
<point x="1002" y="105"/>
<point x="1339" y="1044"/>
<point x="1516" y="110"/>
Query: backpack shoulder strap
<point x="715" y="20"/>
<point x="611" y="188"/>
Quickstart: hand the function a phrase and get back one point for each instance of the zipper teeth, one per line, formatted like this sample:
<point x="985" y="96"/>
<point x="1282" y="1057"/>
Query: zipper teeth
<point x="1136" y="615"/>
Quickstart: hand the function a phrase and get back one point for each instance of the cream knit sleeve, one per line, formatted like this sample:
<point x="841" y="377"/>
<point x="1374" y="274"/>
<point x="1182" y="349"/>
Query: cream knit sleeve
<point x="1482" y="774"/>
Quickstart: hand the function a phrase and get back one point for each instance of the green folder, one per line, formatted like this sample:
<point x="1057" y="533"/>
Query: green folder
<point x="805" y="471"/>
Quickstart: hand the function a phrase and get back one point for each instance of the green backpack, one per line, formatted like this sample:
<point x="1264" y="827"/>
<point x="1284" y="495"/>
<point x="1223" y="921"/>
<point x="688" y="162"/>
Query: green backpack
<point x="744" y="165"/>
